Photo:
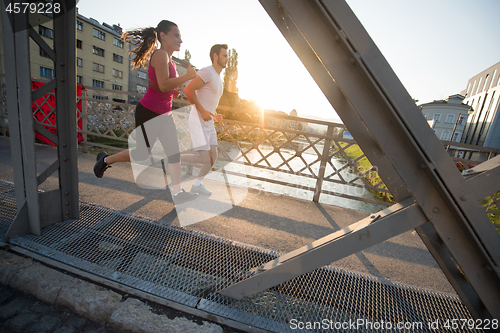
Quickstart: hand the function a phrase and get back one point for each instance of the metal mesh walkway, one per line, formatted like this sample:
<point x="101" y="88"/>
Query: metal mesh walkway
<point x="189" y="267"/>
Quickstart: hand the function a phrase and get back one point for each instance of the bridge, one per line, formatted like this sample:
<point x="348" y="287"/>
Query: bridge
<point x="248" y="285"/>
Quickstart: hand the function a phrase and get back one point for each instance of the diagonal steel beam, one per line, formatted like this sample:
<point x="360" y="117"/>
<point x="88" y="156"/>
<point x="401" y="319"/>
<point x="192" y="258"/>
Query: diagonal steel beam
<point x="483" y="179"/>
<point x="367" y="232"/>
<point x="372" y="102"/>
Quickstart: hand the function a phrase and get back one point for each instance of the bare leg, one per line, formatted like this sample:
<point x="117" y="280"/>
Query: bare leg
<point x="213" y="155"/>
<point x="123" y="156"/>
<point x="205" y="168"/>
<point x="174" y="169"/>
<point x="202" y="158"/>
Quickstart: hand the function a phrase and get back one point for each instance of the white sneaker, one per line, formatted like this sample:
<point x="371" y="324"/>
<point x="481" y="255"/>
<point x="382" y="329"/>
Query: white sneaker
<point x="200" y="190"/>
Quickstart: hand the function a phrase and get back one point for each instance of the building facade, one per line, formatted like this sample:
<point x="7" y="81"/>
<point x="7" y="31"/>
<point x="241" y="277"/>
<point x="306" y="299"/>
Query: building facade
<point x="448" y="117"/>
<point x="482" y="94"/>
<point x="137" y="79"/>
<point x="102" y="57"/>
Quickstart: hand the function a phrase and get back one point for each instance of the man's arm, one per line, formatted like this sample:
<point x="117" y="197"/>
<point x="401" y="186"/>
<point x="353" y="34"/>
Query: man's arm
<point x="190" y="91"/>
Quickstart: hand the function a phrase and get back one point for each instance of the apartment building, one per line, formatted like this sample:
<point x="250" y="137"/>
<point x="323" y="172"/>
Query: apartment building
<point x="102" y="57"/>
<point x="482" y="94"/>
<point x="447" y="117"/>
<point x="103" y="60"/>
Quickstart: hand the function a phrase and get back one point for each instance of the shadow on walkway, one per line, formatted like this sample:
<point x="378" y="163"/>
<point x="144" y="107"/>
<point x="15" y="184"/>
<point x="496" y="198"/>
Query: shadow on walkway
<point x="275" y="222"/>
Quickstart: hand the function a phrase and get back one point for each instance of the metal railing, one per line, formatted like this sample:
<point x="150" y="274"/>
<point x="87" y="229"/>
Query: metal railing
<point x="289" y="151"/>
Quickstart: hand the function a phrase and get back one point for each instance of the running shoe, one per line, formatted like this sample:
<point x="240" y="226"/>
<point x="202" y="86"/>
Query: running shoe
<point x="101" y="166"/>
<point x="200" y="190"/>
<point x="184" y="196"/>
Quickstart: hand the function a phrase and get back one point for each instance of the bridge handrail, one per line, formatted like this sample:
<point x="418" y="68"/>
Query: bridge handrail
<point x="115" y="120"/>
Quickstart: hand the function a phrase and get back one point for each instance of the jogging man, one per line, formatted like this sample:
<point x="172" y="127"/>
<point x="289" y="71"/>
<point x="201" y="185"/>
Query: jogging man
<point x="204" y="92"/>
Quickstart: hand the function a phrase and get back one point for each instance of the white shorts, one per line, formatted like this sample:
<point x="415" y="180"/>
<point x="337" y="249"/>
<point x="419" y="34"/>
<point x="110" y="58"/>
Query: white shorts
<point x="202" y="132"/>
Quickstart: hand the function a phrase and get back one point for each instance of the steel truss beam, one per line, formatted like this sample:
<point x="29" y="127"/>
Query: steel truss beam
<point x="37" y="210"/>
<point x="389" y="128"/>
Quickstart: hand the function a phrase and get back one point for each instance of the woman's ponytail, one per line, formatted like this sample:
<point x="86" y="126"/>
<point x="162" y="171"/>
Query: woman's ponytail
<point x="144" y="41"/>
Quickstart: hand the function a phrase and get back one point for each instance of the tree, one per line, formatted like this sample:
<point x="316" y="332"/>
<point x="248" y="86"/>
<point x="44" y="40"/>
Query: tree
<point x="187" y="55"/>
<point x="231" y="72"/>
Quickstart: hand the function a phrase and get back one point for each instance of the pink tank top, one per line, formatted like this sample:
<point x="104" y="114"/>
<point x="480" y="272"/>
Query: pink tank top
<point x="154" y="99"/>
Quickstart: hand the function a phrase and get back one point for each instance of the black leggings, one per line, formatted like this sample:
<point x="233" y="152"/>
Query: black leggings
<point x="148" y="131"/>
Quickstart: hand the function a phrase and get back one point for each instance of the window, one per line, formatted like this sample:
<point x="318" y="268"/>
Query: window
<point x="142" y="75"/>
<point x="118" y="58"/>
<point x="98" y="84"/>
<point x="117" y="73"/>
<point x="78" y="43"/>
<point x="47" y="72"/>
<point x="79" y="79"/>
<point x="100" y="97"/>
<point x="45" y="32"/>
<point x="79" y="62"/>
<point x="118" y="42"/>
<point x="43" y="53"/>
<point x="492" y="77"/>
<point x="98" y="68"/>
<point x="141" y="89"/>
<point x="445" y="135"/>
<point x="456" y="137"/>
<point x="437" y="117"/>
<point x="117" y="87"/>
<point x="99" y="34"/>
<point x="461" y="120"/>
<point x="98" y="51"/>
<point x="478" y="85"/>
<point x="450" y="118"/>
<point x="485" y="80"/>
<point x="79" y="25"/>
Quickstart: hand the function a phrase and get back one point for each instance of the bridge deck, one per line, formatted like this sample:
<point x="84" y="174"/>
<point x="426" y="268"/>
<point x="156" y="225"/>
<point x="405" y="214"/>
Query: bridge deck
<point x="188" y="267"/>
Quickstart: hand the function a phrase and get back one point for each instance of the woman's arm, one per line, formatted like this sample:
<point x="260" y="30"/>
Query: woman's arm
<point x="160" y="61"/>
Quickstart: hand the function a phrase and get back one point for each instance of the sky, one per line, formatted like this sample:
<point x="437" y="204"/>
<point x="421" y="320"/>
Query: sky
<point x="433" y="46"/>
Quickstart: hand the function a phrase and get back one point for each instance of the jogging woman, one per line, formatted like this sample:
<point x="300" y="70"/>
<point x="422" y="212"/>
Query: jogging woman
<point x="157" y="101"/>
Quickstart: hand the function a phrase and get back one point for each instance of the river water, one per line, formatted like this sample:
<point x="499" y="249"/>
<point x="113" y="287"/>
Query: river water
<point x="300" y="183"/>
<point x="233" y="163"/>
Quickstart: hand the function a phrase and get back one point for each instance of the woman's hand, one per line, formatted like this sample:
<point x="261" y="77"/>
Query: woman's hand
<point x="191" y="72"/>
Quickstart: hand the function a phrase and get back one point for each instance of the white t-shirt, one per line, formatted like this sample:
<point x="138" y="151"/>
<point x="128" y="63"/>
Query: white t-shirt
<point x="209" y="94"/>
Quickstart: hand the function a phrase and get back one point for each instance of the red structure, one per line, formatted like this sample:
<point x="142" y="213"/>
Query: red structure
<point x="44" y="112"/>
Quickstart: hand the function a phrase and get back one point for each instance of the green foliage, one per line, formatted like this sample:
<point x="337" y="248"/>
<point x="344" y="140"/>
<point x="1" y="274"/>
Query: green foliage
<point x="363" y="164"/>
<point x="248" y="112"/>
<point x="231" y="71"/>
<point x="494" y="217"/>
<point x="187" y="55"/>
